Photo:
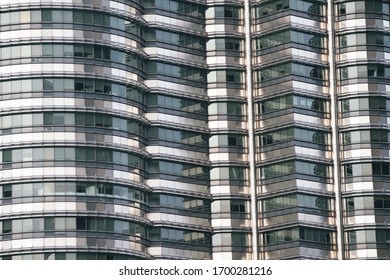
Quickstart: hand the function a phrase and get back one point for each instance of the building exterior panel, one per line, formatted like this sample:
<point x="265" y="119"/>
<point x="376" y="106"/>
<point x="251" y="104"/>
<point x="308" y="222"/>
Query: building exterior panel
<point x="194" y="129"/>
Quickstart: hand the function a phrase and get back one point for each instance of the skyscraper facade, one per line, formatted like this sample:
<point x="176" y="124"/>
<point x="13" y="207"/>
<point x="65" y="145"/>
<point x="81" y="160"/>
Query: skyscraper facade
<point x="173" y="129"/>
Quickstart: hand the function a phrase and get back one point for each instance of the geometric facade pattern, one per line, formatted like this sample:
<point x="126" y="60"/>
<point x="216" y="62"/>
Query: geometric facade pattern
<point x="198" y="129"/>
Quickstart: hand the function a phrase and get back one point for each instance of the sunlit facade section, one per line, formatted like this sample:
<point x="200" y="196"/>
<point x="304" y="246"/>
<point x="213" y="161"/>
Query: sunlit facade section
<point x="73" y="158"/>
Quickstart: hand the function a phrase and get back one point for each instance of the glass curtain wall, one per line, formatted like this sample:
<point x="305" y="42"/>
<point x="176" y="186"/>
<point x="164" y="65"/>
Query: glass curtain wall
<point x="177" y="104"/>
<point x="229" y="176"/>
<point x="292" y="129"/>
<point x="362" y="47"/>
<point x="73" y="127"/>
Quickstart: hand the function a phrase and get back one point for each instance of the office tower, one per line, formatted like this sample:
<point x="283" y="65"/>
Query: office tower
<point x="362" y="65"/>
<point x="168" y="129"/>
<point x="73" y="130"/>
<point x="292" y="94"/>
